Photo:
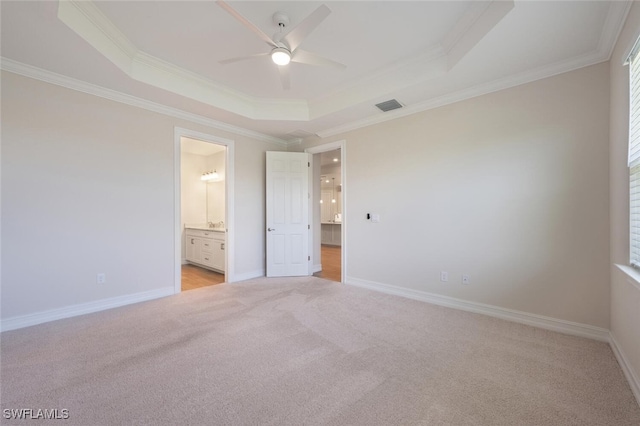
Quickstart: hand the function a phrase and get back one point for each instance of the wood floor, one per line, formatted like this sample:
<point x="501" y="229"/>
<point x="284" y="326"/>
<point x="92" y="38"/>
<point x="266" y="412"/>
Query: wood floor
<point x="331" y="259"/>
<point x="195" y="277"/>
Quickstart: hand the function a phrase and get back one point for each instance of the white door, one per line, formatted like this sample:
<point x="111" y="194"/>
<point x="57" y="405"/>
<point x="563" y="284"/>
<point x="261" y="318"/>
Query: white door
<point x="287" y="214"/>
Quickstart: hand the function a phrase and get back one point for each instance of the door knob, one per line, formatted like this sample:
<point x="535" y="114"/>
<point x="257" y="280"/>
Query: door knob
<point x="270" y="229"/>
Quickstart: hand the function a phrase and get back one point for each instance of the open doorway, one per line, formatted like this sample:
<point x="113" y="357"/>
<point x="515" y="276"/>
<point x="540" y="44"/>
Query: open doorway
<point x="203" y="200"/>
<point x="203" y="210"/>
<point x="328" y="211"/>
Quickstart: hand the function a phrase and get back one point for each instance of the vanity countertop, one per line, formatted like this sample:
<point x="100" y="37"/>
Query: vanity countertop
<point x="204" y="227"/>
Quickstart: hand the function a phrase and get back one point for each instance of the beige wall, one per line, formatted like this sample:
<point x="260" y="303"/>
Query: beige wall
<point x="193" y="202"/>
<point x="88" y="187"/>
<point x="625" y="292"/>
<point x="510" y="188"/>
<point x="215" y="190"/>
<point x="193" y="197"/>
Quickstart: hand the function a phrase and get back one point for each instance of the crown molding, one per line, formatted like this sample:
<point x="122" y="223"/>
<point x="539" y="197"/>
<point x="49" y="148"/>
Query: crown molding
<point x="88" y="22"/>
<point x="154" y="71"/>
<point x="36" y="73"/>
<point x="616" y="18"/>
<point x="98" y="31"/>
<point x="480" y="18"/>
<point x="434" y="62"/>
<point x="472" y="92"/>
<point x="462" y="27"/>
<point x="86" y="19"/>
<point x="91" y="24"/>
<point x="614" y="22"/>
<point x="379" y="85"/>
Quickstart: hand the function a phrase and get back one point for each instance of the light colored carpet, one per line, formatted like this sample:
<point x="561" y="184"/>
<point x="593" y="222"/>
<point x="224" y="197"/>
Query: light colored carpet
<point x="306" y="351"/>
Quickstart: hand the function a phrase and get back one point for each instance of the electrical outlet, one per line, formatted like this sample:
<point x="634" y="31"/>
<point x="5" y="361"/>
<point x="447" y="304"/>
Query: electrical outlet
<point x="465" y="279"/>
<point x="444" y="276"/>
<point x="101" y="278"/>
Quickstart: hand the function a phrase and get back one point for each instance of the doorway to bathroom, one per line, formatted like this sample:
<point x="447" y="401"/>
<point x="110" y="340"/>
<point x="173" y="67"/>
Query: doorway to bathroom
<point x="204" y="190"/>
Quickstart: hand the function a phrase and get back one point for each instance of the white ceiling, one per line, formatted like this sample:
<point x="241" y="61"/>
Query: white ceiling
<point x="422" y="53"/>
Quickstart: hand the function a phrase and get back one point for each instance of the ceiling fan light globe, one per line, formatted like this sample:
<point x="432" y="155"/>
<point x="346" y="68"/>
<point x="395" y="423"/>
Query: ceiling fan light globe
<point x="280" y="56"/>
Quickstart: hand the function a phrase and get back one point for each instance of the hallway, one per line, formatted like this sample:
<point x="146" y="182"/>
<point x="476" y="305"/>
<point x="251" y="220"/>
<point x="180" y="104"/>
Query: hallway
<point x="331" y="263"/>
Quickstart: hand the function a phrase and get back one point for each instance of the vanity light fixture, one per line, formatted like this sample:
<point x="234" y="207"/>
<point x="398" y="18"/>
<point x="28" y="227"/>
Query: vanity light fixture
<point x="209" y="176"/>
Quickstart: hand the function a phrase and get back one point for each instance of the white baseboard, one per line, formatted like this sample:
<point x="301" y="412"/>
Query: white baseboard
<point x="83" y="308"/>
<point x="249" y="275"/>
<point x="316" y="268"/>
<point x="630" y="374"/>
<point x="554" y="324"/>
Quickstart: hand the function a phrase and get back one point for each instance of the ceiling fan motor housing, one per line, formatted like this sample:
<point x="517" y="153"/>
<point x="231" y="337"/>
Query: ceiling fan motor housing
<point x="281" y="19"/>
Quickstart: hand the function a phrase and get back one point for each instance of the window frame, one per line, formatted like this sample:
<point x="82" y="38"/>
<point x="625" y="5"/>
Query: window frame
<point x="633" y="60"/>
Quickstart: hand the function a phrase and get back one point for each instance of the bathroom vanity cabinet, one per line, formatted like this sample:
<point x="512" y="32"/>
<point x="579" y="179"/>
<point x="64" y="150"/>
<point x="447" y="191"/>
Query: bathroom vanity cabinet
<point x="206" y="248"/>
<point x="331" y="233"/>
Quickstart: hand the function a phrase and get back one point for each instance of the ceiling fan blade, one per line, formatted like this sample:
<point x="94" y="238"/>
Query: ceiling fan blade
<point x="296" y="36"/>
<point x="304" y="57"/>
<point x="285" y="78"/>
<point x="244" y="21"/>
<point x="242" y="58"/>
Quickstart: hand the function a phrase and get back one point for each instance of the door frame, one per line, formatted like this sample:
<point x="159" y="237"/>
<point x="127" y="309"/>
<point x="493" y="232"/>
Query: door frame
<point x="229" y="270"/>
<point x="331" y="146"/>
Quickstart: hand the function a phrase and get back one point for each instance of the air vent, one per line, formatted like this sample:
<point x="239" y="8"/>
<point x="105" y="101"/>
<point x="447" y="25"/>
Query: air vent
<point x="389" y="105"/>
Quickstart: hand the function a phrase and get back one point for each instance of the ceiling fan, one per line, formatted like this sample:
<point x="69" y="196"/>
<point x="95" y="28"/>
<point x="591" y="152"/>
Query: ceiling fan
<point x="285" y="45"/>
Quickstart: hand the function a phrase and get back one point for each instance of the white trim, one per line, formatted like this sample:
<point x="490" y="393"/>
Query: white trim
<point x="548" y="323"/>
<point x="331" y="146"/>
<point x="177" y="211"/>
<point x="613" y="24"/>
<point x="611" y="30"/>
<point x="472" y="92"/>
<point x="88" y="22"/>
<point x="98" y="31"/>
<point x="342" y="146"/>
<point x="629" y="373"/>
<point x="179" y="133"/>
<point x="316" y="268"/>
<point x="25" y="70"/>
<point x="631" y="50"/>
<point x="616" y="17"/>
<point x="633" y="275"/>
<point x="82" y="309"/>
<point x="122" y="52"/>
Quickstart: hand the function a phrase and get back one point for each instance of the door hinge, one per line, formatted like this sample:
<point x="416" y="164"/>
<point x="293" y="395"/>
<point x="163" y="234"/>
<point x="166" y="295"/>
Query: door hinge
<point x="308" y="226"/>
<point x="308" y="164"/>
<point x="308" y="257"/>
